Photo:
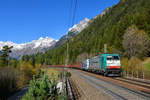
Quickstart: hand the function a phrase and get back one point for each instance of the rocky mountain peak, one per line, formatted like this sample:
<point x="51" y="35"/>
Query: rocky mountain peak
<point x="35" y="46"/>
<point x="80" y="26"/>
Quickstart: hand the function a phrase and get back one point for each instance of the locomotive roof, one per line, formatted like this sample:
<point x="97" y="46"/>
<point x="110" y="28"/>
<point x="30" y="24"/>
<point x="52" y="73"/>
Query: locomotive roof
<point x="104" y="54"/>
<point x="110" y="55"/>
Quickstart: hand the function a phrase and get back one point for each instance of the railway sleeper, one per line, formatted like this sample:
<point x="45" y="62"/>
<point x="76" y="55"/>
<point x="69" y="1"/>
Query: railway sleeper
<point x="72" y="91"/>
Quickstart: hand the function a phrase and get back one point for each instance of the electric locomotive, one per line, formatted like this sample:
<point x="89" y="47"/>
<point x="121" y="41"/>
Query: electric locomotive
<point x="106" y="64"/>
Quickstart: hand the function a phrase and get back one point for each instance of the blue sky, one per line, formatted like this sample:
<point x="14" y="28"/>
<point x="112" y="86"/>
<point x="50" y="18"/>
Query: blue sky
<point x="26" y="20"/>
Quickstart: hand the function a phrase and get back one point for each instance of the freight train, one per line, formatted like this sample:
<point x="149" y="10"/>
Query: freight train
<point x="106" y="64"/>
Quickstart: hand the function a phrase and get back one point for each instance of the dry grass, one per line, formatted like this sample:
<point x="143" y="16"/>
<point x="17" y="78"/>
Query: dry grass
<point x="8" y="82"/>
<point x="52" y="72"/>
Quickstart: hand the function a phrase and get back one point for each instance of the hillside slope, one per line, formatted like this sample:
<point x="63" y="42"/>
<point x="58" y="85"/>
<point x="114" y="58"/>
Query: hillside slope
<point x="109" y="28"/>
<point x="73" y="32"/>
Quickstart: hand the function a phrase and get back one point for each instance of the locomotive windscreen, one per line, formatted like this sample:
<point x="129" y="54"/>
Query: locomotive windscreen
<point x="112" y="58"/>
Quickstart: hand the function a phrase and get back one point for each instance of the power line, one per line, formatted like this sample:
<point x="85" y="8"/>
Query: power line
<point x="70" y="16"/>
<point x="74" y="12"/>
<point x="73" y="20"/>
<point x="69" y="24"/>
<point x="70" y="13"/>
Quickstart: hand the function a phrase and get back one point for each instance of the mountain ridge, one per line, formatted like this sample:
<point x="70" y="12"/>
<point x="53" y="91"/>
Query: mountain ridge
<point x="28" y="48"/>
<point x="77" y="28"/>
<point x="36" y="43"/>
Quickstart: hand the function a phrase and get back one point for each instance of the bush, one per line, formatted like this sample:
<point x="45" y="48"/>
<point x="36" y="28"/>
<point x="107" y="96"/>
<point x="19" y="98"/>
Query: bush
<point x="68" y="74"/>
<point x="8" y="82"/>
<point x="135" y="64"/>
<point x="26" y="72"/>
<point x="133" y="67"/>
<point x="61" y="74"/>
<point x="124" y="63"/>
<point x="42" y="89"/>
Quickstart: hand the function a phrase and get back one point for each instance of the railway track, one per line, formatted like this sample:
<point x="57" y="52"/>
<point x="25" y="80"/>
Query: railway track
<point x="138" y="80"/>
<point x="117" y="92"/>
<point x="135" y="82"/>
<point x="72" y="91"/>
<point x="136" y="88"/>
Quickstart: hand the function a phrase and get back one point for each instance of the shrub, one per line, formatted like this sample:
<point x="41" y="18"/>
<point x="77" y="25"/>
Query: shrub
<point x="8" y="82"/>
<point x="26" y="72"/>
<point x="68" y="74"/>
<point x="124" y="63"/>
<point x="61" y="74"/>
<point x="42" y="89"/>
<point x="38" y="69"/>
<point x="133" y="66"/>
<point x="14" y="63"/>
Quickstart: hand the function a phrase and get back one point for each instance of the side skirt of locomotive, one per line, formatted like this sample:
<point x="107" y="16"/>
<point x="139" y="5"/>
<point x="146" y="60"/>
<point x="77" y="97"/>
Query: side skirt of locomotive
<point x="109" y="72"/>
<point x="113" y="72"/>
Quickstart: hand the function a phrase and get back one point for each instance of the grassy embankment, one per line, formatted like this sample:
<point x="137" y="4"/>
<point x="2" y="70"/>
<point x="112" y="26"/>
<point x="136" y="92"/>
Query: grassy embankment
<point x="146" y="64"/>
<point x="52" y="73"/>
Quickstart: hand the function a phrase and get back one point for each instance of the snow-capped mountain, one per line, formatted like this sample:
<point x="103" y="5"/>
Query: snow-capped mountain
<point x="73" y="31"/>
<point x="80" y="26"/>
<point x="35" y="46"/>
<point x="43" y="44"/>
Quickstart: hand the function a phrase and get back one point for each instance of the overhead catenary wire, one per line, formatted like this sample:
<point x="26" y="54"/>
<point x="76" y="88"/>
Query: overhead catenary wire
<point x="70" y="13"/>
<point x="69" y="25"/>
<point x="74" y="13"/>
<point x="72" y="16"/>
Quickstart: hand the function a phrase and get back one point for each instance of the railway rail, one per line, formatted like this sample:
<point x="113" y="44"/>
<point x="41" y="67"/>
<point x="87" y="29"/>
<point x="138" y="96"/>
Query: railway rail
<point x="119" y="92"/>
<point x="133" y="81"/>
<point x="72" y="91"/>
<point x="138" y="80"/>
<point x="135" y="85"/>
<point x="129" y="89"/>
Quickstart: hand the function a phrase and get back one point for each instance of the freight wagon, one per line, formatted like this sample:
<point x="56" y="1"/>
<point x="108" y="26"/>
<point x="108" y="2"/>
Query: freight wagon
<point x="106" y="64"/>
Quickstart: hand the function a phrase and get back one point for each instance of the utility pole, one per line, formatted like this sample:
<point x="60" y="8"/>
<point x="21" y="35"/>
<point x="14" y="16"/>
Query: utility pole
<point x="105" y="48"/>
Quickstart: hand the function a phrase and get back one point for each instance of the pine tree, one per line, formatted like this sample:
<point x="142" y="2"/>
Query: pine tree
<point x="5" y="58"/>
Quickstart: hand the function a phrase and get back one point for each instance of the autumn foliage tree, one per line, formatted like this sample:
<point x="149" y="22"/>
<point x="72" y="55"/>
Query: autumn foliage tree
<point x="135" y="42"/>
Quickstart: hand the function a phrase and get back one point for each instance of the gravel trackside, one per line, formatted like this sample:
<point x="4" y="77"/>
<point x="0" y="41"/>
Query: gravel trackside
<point x="105" y="89"/>
<point x="87" y="91"/>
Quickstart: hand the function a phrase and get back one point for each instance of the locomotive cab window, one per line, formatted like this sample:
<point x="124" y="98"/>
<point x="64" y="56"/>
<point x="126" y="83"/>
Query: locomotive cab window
<point x="112" y="58"/>
<point x="115" y="57"/>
